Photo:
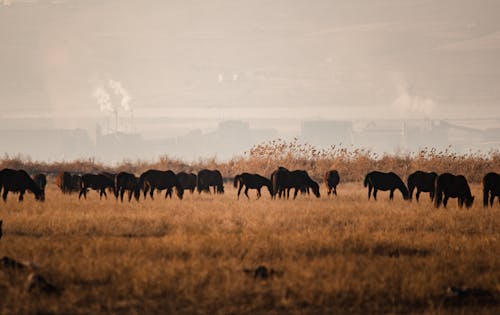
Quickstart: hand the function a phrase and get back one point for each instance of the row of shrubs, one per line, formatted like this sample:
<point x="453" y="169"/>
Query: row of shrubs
<point x="352" y="163"/>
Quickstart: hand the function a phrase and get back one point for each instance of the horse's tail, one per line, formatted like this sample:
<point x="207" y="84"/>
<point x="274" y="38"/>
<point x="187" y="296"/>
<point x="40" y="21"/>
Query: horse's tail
<point x="367" y="180"/>
<point x="438" y="194"/>
<point x="236" y="180"/>
<point x="486" y="192"/>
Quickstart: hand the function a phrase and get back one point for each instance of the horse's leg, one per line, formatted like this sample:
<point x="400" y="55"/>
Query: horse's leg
<point x="460" y="202"/>
<point x="122" y="192"/>
<point x="21" y="195"/>
<point x="335" y="190"/>
<point x="391" y="194"/>
<point x="246" y="192"/>
<point x="4" y="195"/>
<point x="258" y="192"/>
<point x="129" y="195"/>
<point x="492" y="198"/>
<point x="431" y="194"/>
<point x="329" y="190"/>
<point x="374" y="193"/>
<point x="81" y="193"/>
<point x="445" y="200"/>
<point x="295" y="193"/>
<point x="417" y="195"/>
<point x="151" y="193"/>
<point x="369" y="191"/>
<point x="239" y="190"/>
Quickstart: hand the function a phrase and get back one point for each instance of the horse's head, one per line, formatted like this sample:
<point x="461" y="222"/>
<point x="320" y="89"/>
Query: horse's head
<point x="179" y="191"/>
<point x="315" y="188"/>
<point x="40" y="195"/>
<point x="137" y="192"/>
<point x="469" y="201"/>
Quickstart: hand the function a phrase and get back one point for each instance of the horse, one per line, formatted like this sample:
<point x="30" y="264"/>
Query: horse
<point x="252" y="181"/>
<point x="332" y="179"/>
<point x="97" y="182"/>
<point x="127" y="182"/>
<point x="422" y="181"/>
<point x="19" y="181"/>
<point x="385" y="181"/>
<point x="284" y="180"/>
<point x="187" y="181"/>
<point x="210" y="178"/>
<point x="452" y="186"/>
<point x="491" y="188"/>
<point x="160" y="180"/>
<point x="69" y="183"/>
<point x="41" y="181"/>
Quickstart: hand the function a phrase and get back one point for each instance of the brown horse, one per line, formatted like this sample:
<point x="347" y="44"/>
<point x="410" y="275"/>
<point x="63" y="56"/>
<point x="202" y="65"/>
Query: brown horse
<point x="97" y="182"/>
<point x="127" y="182"/>
<point x="41" y="181"/>
<point x="19" y="181"/>
<point x="332" y="179"/>
<point x="252" y="181"/>
<point x="69" y="183"/>
<point x="491" y="188"/>
<point x="453" y="186"/>
<point x="187" y="181"/>
<point x="152" y="180"/>
<point x="284" y="180"/>
<point x="423" y="181"/>
<point x="210" y="178"/>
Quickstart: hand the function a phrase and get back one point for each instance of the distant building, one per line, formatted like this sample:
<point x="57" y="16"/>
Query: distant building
<point x="323" y="133"/>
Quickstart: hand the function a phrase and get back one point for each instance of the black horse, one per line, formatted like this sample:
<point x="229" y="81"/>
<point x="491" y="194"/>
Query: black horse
<point x="152" y="180"/>
<point x="41" y="181"/>
<point x="332" y="179"/>
<point x="491" y="188"/>
<point x="187" y="181"/>
<point x="422" y="181"/>
<point x="210" y="178"/>
<point x="127" y="182"/>
<point x="284" y="180"/>
<point x="252" y="181"/>
<point x="19" y="181"/>
<point x="384" y="181"/>
<point x="98" y="182"/>
<point x="452" y="186"/>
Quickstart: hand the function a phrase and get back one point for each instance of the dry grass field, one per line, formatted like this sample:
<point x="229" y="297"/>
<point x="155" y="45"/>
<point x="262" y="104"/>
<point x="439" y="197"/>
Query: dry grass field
<point x="330" y="255"/>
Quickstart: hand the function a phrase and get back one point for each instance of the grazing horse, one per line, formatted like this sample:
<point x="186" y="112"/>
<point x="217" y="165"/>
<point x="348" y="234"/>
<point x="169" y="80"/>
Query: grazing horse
<point x="491" y="188"/>
<point x="187" y="181"/>
<point x="208" y="178"/>
<point x="19" y="181"/>
<point x="41" y="181"/>
<point x="160" y="180"/>
<point x="69" y="183"/>
<point x="332" y="179"/>
<point x="384" y="181"/>
<point x="423" y="181"/>
<point x="252" y="181"/>
<point x="127" y="182"/>
<point x="452" y="186"/>
<point x="283" y="180"/>
<point x="97" y="182"/>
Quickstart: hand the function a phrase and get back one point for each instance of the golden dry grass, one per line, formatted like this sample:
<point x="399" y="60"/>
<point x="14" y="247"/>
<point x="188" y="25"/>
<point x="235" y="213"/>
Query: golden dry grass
<point x="337" y="255"/>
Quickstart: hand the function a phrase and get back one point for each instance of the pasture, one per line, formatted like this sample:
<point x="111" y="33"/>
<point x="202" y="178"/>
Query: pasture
<point x="341" y="254"/>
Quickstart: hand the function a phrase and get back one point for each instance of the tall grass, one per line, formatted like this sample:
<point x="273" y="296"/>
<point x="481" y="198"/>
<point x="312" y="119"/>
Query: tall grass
<point x="352" y="163"/>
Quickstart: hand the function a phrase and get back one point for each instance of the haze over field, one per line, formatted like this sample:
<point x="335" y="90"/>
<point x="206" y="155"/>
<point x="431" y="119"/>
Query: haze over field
<point x="76" y="64"/>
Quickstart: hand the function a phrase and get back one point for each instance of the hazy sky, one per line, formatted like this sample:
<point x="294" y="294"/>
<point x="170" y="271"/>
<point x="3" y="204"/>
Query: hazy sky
<point x="250" y="59"/>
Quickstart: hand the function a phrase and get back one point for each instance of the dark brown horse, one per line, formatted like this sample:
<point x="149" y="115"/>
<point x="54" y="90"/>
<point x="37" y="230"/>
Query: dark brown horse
<point x="69" y="183"/>
<point x="187" y="181"/>
<point x="332" y="179"/>
<point x="452" y="186"/>
<point x="19" y="181"/>
<point x="41" y="181"/>
<point x="385" y="181"/>
<point x="491" y="188"/>
<point x="96" y="182"/>
<point x="210" y="178"/>
<point x="127" y="182"/>
<point x="152" y="180"/>
<point x="284" y="180"/>
<point x="252" y="181"/>
<point x="423" y="182"/>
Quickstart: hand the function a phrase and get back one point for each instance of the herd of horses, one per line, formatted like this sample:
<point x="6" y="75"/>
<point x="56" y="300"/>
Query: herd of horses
<point x="440" y="187"/>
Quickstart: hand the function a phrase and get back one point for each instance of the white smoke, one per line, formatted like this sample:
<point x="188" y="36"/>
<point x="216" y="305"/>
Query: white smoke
<point x="103" y="100"/>
<point x="120" y="91"/>
<point x="407" y="103"/>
